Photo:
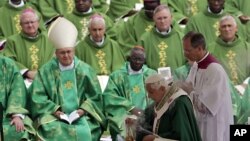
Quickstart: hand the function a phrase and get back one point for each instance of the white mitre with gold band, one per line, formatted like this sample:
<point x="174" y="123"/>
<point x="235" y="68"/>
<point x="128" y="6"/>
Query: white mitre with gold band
<point x="62" y="33"/>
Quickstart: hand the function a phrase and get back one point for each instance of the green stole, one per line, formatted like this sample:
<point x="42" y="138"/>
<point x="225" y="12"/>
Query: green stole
<point x="164" y="104"/>
<point x="137" y="91"/>
<point x="71" y="103"/>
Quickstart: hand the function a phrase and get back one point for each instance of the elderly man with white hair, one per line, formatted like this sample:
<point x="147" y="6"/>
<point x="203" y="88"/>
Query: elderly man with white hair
<point x="98" y="49"/>
<point x="65" y="94"/>
<point x="171" y="116"/>
<point x="232" y="50"/>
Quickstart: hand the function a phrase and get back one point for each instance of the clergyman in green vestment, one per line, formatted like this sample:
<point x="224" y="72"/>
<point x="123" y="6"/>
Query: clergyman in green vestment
<point x="31" y="48"/>
<point x="125" y="92"/>
<point x="66" y="86"/>
<point x="163" y="44"/>
<point x="98" y="50"/>
<point x="13" y="96"/>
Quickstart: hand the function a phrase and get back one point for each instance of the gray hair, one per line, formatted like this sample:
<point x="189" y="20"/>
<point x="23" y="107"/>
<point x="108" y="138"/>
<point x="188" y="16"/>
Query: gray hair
<point x="28" y="10"/>
<point x="160" y="8"/>
<point x="228" y="17"/>
<point x="96" y="18"/>
<point x="157" y="80"/>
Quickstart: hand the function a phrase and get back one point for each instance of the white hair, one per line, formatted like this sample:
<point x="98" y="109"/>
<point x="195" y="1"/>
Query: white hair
<point x="228" y="17"/>
<point x="157" y="80"/>
<point x="96" y="19"/>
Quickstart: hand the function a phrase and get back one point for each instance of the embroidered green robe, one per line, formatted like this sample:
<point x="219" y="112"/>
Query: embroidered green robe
<point x="51" y="8"/>
<point x="234" y="57"/>
<point x="49" y="94"/>
<point x="2" y="2"/>
<point x="130" y="31"/>
<point x="81" y="21"/>
<point x="163" y="50"/>
<point x="208" y="24"/>
<point x="104" y="59"/>
<point x="188" y="7"/>
<point x="178" y="122"/>
<point x="126" y="91"/>
<point x="10" y="20"/>
<point x="29" y="53"/>
<point x="119" y="8"/>
<point x="13" y="97"/>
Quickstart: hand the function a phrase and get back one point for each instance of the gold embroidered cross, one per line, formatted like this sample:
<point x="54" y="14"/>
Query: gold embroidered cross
<point x="68" y="85"/>
<point x="230" y="55"/>
<point x="162" y="45"/>
<point x="16" y="20"/>
<point x="136" y="89"/>
<point x="100" y="54"/>
<point x="34" y="58"/>
<point x="216" y="27"/>
<point x="149" y="28"/>
<point x="70" y="6"/>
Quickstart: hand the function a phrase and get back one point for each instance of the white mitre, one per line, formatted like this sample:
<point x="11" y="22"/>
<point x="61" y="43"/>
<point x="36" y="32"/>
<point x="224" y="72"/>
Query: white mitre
<point x="62" y="33"/>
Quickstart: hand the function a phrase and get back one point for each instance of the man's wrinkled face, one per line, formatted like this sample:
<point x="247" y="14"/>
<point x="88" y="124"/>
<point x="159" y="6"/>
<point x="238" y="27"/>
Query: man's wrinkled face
<point x="29" y="24"/>
<point x="83" y="5"/>
<point x="137" y="59"/>
<point x="163" y="20"/>
<point x="97" y="31"/>
<point x="228" y="29"/>
<point x="65" y="55"/>
<point x="155" y="94"/>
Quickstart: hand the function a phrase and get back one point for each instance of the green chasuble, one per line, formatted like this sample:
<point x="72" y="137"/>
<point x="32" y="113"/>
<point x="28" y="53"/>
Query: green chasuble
<point x="10" y="20"/>
<point x="245" y="106"/>
<point x="234" y="57"/>
<point x="125" y="91"/>
<point x="208" y="24"/>
<point x="29" y="53"/>
<point x="178" y="122"/>
<point x="51" y="8"/>
<point x="119" y="8"/>
<point x="104" y="59"/>
<point x="163" y="50"/>
<point x="188" y="7"/>
<point x="241" y="6"/>
<point x="49" y="93"/>
<point x="130" y="31"/>
<point x="2" y="2"/>
<point x="13" y="96"/>
<point x="81" y="21"/>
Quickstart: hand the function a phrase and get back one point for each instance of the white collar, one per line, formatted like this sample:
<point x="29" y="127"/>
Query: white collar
<point x="69" y="67"/>
<point x="131" y="71"/>
<point x="164" y="32"/>
<point x="89" y="11"/>
<point x="16" y="6"/>
<point x="97" y="43"/>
